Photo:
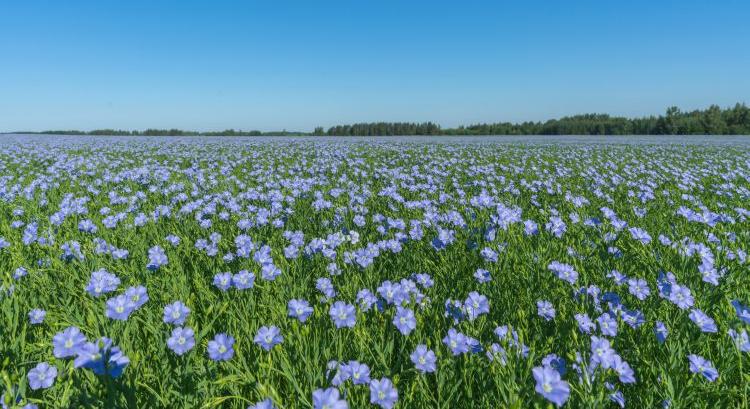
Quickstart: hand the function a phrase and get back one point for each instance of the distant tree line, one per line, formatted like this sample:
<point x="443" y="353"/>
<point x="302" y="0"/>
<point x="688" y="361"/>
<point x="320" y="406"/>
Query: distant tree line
<point x="386" y="128"/>
<point x="710" y="121"/>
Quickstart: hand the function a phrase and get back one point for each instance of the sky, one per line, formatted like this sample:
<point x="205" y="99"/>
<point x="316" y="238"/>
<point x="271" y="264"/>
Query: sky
<point x="294" y="65"/>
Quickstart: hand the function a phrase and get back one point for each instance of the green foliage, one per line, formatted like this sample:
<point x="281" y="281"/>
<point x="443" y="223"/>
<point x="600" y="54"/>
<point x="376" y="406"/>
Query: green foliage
<point x="288" y="374"/>
<point x="711" y="121"/>
<point x="385" y="129"/>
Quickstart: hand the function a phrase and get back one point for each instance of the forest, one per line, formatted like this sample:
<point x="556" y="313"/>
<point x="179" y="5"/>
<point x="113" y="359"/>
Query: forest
<point x="711" y="121"/>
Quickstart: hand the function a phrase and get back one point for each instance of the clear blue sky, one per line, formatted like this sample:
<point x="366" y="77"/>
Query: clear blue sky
<point x="297" y="64"/>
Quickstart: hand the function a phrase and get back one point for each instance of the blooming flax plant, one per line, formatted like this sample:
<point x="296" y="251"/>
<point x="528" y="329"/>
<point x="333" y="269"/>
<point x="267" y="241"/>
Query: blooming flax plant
<point x="237" y="273"/>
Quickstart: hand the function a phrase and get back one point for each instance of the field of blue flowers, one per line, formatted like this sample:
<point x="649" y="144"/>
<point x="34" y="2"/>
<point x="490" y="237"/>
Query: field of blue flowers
<point x="146" y="273"/>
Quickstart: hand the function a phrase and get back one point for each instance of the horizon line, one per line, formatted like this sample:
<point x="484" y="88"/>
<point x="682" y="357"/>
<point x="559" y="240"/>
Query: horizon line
<point x="284" y="130"/>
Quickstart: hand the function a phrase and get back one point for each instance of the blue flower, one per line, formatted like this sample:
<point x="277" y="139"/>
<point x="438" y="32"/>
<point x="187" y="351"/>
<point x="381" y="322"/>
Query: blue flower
<point x="681" y="296"/>
<point x="563" y="271"/>
<point x="700" y="365"/>
<point x="156" y="258"/>
<point x="497" y="352"/>
<point x="617" y="276"/>
<point x="89" y="356"/>
<point x="119" y="307"/>
<point x="607" y="324"/>
<point x="36" y="316"/>
<point x="743" y="312"/>
<point x="263" y="255"/>
<point x="340" y="376"/>
<point x="709" y="273"/>
<point x="328" y="399"/>
<point x="602" y="353"/>
<point x="482" y="275"/>
<point x="221" y="348"/>
<point x="175" y="313"/>
<point x="664" y="283"/>
<point x="473" y="345"/>
<point x="42" y="376"/>
<point x="424" y="280"/>
<point x="182" y="340"/>
<point x="530" y="228"/>
<point x="545" y="309"/>
<point x="102" y="282"/>
<point x="392" y="293"/>
<point x="173" y="240"/>
<point x="383" y="393"/>
<point x="456" y="341"/>
<point x="358" y="372"/>
<point x="475" y="305"/>
<point x="366" y="299"/>
<point x="87" y="226"/>
<point x="243" y="280"/>
<point x="585" y="325"/>
<point x="555" y="362"/>
<point x="444" y="238"/>
<point x="67" y="342"/>
<point x="740" y="339"/>
<point x="223" y="281"/>
<point x="137" y="296"/>
<point x="299" y="309"/>
<point x="325" y="286"/>
<point x="638" y="288"/>
<point x="404" y="320"/>
<point x="20" y="273"/>
<point x="640" y="235"/>
<point x="30" y="234"/>
<point x="424" y="359"/>
<point x="268" y="337"/>
<point x="489" y="255"/>
<point x="618" y="398"/>
<point x="556" y="226"/>
<point x="102" y="358"/>
<point x="71" y="250"/>
<point x="634" y="318"/>
<point x="550" y="385"/>
<point x="623" y="369"/>
<point x="661" y="331"/>
<point x="703" y="321"/>
<point x="343" y="314"/>
<point x="269" y="272"/>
